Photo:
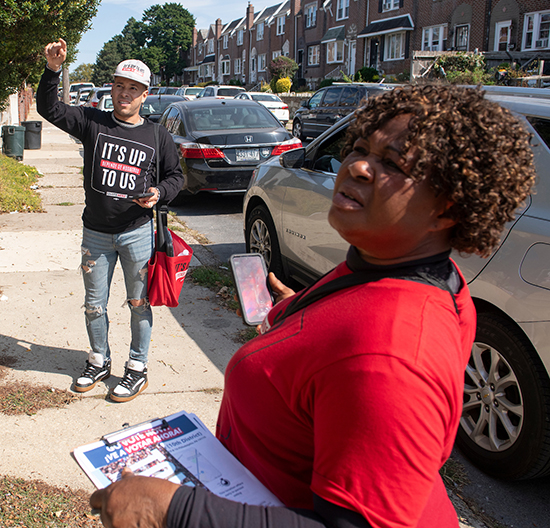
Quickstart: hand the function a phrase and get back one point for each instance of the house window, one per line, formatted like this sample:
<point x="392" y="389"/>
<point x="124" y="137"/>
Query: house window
<point x="240" y="37"/>
<point x="260" y="31"/>
<point x="281" y="25"/>
<point x="395" y="46"/>
<point x="342" y="9"/>
<point x="335" y="51"/>
<point x="210" y="45"/>
<point x="225" y="41"/>
<point x="536" y="31"/>
<point x="310" y="13"/>
<point x="432" y="38"/>
<point x="226" y="67"/>
<point x="462" y="37"/>
<point x="313" y="55"/>
<point x="200" y="48"/>
<point x="502" y="35"/>
<point x="237" y="66"/>
<point x="389" y="5"/>
<point x="261" y="62"/>
<point x="253" y="64"/>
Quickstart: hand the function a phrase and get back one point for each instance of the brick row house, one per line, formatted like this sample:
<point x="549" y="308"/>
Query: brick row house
<point x="330" y="38"/>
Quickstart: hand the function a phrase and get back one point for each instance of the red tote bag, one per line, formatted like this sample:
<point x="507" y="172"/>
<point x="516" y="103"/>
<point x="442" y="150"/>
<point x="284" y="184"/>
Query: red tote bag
<point x="168" y="266"/>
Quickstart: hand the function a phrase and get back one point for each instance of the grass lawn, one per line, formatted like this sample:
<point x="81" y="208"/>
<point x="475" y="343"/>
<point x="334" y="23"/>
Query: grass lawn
<point x="16" y="192"/>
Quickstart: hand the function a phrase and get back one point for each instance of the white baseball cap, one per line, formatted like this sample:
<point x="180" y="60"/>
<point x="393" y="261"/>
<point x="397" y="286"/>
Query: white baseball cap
<point x="134" y="70"/>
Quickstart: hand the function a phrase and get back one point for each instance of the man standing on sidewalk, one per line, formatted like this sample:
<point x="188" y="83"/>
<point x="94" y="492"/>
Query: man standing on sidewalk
<point x="119" y="169"/>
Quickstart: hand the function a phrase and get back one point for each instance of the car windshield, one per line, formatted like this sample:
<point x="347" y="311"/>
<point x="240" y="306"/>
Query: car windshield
<point x="192" y="91"/>
<point x="155" y="105"/>
<point x="265" y="97"/>
<point x="232" y="117"/>
<point x="228" y="92"/>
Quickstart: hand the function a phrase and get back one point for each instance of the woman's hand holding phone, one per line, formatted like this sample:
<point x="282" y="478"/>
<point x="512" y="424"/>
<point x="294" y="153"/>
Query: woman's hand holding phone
<point x="279" y="290"/>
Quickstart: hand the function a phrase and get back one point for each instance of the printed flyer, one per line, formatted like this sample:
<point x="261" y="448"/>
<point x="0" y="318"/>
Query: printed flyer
<point x="178" y="448"/>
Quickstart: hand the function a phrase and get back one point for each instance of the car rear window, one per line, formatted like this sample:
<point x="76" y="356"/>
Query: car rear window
<point x="228" y="92"/>
<point x="155" y="105"/>
<point x="232" y="118"/>
<point x="265" y="97"/>
<point x="192" y="91"/>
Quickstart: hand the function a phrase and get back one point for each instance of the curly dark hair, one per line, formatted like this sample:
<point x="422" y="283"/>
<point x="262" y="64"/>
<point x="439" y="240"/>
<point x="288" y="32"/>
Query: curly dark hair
<point x="473" y="151"/>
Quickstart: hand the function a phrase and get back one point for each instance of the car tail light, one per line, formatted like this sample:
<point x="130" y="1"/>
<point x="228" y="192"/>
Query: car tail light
<point x="94" y="104"/>
<point x="284" y="107"/>
<point x="199" y="151"/>
<point x="287" y="145"/>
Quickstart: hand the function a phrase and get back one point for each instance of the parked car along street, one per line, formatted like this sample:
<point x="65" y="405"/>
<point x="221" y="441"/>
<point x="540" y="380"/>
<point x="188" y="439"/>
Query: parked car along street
<point x="220" y="92"/>
<point x="154" y="105"/>
<point x="505" y="425"/>
<point x="95" y="95"/>
<point x="271" y="101"/>
<point x="75" y="87"/>
<point x="329" y="104"/>
<point x="220" y="141"/>
<point x="189" y="91"/>
<point x="105" y="103"/>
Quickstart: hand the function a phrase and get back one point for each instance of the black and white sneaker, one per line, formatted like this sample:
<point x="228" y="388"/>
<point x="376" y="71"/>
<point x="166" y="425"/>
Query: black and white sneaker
<point x="97" y="368"/>
<point x="133" y="382"/>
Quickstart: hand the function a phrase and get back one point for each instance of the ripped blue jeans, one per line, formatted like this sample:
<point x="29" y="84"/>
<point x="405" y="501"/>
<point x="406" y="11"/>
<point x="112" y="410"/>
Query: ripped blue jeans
<point x="100" y="252"/>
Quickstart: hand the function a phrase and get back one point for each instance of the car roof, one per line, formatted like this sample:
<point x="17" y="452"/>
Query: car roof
<point x="166" y="97"/>
<point x="530" y="106"/>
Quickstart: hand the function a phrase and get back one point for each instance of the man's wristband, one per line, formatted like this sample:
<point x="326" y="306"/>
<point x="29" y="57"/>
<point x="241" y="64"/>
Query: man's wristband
<point x="51" y="69"/>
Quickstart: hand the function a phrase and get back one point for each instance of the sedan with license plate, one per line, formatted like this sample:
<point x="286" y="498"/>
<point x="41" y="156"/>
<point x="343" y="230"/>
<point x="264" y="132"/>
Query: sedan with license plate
<point x="505" y="423"/>
<point x="271" y="101"/>
<point x="221" y="141"/>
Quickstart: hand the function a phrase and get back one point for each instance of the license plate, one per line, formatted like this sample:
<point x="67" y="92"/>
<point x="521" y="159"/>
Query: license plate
<point x="248" y="155"/>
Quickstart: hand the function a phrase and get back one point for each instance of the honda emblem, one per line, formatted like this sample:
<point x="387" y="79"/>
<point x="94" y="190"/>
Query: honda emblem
<point x="248" y="139"/>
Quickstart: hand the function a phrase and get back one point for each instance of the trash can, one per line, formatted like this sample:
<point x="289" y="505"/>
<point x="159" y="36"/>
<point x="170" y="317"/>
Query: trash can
<point x="13" y="141"/>
<point x="33" y="134"/>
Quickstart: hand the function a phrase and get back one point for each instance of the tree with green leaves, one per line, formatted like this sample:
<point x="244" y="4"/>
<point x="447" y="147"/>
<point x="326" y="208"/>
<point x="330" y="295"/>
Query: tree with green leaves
<point x="164" y="33"/>
<point x="119" y="48"/>
<point x="82" y="73"/>
<point x="26" y="27"/>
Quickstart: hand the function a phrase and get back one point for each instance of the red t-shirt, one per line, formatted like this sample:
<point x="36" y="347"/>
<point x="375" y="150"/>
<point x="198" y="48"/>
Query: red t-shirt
<point x="356" y="398"/>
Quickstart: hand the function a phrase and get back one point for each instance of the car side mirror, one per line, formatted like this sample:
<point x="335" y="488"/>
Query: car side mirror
<point x="293" y="159"/>
<point x="304" y="103"/>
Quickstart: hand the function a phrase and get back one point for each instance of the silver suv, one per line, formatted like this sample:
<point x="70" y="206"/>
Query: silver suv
<point x="505" y="424"/>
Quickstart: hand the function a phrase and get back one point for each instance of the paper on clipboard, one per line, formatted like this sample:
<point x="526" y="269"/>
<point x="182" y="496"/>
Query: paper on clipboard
<point x="178" y="448"/>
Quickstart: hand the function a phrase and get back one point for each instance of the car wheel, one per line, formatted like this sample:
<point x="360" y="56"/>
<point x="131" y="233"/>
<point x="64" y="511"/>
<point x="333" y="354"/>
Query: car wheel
<point x="297" y="131"/>
<point x="505" y="426"/>
<point x="261" y="237"/>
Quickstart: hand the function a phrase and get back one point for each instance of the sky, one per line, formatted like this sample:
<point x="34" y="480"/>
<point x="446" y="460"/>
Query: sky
<point x="112" y="16"/>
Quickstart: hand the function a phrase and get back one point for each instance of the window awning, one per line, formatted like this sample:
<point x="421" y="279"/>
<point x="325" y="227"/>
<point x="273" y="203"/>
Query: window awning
<point x="389" y="25"/>
<point x="337" y="33"/>
<point x="208" y="58"/>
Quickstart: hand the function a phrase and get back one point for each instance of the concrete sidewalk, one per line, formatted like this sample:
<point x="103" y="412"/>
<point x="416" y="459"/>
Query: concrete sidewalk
<point x="43" y="336"/>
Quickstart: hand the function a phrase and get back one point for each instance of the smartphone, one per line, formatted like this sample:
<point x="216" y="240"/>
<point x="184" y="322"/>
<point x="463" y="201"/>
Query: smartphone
<point x="250" y="275"/>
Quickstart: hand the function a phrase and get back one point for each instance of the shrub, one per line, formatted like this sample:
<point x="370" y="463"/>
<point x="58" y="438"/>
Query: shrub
<point x="326" y="82"/>
<point x="282" y="66"/>
<point x="283" y="85"/>
<point x="366" y="74"/>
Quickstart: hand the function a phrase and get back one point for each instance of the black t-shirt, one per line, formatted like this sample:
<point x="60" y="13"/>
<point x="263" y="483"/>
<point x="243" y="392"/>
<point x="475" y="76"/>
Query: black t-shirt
<point x="119" y="160"/>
